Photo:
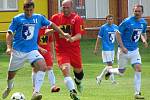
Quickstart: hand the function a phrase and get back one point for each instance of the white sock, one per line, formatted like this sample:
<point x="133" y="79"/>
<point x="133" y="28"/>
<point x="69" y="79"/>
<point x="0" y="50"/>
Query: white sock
<point x="10" y="83"/>
<point x="51" y="77"/>
<point x="103" y="73"/>
<point x="39" y="80"/>
<point x="114" y="71"/>
<point x="33" y="78"/>
<point x="69" y="83"/>
<point x="137" y="82"/>
<point x="112" y="78"/>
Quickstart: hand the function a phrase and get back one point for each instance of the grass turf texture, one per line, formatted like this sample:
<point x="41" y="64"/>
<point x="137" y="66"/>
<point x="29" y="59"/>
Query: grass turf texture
<point x="92" y="66"/>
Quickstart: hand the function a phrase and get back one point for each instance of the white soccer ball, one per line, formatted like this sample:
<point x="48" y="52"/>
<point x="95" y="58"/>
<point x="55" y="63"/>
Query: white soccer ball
<point x="18" y="96"/>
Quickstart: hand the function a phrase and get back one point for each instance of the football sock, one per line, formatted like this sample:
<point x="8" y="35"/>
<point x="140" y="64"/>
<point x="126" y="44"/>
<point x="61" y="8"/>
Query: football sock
<point x="114" y="71"/>
<point x="103" y="73"/>
<point x="78" y="77"/>
<point x="69" y="83"/>
<point x="33" y="78"/>
<point x="51" y="77"/>
<point x="112" y="78"/>
<point x="10" y="83"/>
<point x="137" y="82"/>
<point x="39" y="80"/>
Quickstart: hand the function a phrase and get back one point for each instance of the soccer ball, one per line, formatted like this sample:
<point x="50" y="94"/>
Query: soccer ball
<point x="18" y="96"/>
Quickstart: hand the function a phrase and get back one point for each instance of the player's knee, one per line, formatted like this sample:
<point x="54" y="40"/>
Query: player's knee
<point x="79" y="76"/>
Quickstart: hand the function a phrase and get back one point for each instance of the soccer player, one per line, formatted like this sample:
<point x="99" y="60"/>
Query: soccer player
<point x="68" y="50"/>
<point x="131" y="29"/>
<point x="23" y="46"/>
<point x="45" y="46"/>
<point x="107" y="35"/>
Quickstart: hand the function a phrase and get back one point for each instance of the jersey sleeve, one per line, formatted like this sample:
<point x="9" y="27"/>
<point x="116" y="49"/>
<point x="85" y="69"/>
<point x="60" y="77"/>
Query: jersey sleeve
<point x="13" y="26"/>
<point x="144" y="28"/>
<point x="79" y="26"/>
<point x="45" y="21"/>
<point x="101" y="31"/>
<point x="122" y="27"/>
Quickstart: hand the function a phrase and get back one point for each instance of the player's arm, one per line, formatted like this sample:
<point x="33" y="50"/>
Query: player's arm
<point x="56" y="28"/>
<point x="119" y="40"/>
<point x="144" y="39"/>
<point x="42" y="49"/>
<point x="9" y="37"/>
<point x="96" y="45"/>
<point x="75" y="38"/>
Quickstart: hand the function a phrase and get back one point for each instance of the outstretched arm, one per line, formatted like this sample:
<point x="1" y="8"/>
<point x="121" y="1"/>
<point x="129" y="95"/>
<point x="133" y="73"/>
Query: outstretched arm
<point x="56" y="28"/>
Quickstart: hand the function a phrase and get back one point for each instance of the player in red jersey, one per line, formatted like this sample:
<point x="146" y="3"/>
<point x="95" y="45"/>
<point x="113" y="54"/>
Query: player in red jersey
<point x="68" y="50"/>
<point x="46" y="50"/>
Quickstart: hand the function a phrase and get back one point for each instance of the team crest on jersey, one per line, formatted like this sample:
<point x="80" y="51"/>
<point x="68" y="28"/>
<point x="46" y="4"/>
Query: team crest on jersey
<point x="66" y="29"/>
<point x="136" y="34"/>
<point x="43" y="40"/>
<point x="28" y="31"/>
<point x="112" y="36"/>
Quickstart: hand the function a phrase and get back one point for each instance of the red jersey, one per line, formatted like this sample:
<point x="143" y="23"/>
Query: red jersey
<point x="43" y="40"/>
<point x="72" y="24"/>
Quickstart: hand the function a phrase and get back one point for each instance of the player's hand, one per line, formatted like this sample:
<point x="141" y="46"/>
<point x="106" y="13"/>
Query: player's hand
<point x="66" y="35"/>
<point x="145" y="44"/>
<point x="8" y="51"/>
<point x="43" y="50"/>
<point x="95" y="52"/>
<point x="49" y="31"/>
<point x="70" y="39"/>
<point x="124" y="50"/>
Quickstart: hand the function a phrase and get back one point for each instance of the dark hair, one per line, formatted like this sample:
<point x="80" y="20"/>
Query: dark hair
<point x="109" y="16"/>
<point x="138" y="5"/>
<point x="29" y="4"/>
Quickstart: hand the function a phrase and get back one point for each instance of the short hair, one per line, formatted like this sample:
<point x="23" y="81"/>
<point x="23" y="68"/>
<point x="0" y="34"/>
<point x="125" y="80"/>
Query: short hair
<point x="109" y="16"/>
<point x="138" y="5"/>
<point x="28" y="3"/>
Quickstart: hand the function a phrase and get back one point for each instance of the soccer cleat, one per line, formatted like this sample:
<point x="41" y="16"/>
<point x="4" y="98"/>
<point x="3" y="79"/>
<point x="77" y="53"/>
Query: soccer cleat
<point x="139" y="96"/>
<point x="80" y="87"/>
<point x="98" y="80"/>
<point x="55" y="89"/>
<point x="107" y="75"/>
<point x="73" y="95"/>
<point x="36" y="96"/>
<point x="6" y="93"/>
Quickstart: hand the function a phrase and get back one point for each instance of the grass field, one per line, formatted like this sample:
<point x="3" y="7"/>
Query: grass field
<point x="92" y="66"/>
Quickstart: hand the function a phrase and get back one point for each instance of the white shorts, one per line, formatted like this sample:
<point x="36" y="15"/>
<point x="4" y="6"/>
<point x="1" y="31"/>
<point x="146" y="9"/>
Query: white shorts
<point x="108" y="56"/>
<point x="18" y="58"/>
<point x="132" y="56"/>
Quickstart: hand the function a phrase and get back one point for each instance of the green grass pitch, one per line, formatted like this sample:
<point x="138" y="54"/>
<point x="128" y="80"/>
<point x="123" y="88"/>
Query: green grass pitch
<point x="92" y="66"/>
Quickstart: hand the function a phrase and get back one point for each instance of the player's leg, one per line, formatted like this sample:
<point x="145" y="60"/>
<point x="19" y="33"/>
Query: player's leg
<point x="51" y="76"/>
<point x="52" y="79"/>
<point x="37" y="60"/>
<point x="16" y="61"/>
<point x="136" y="63"/>
<point x="76" y="62"/>
<point x="122" y="62"/>
<point x="78" y="76"/>
<point x="65" y="68"/>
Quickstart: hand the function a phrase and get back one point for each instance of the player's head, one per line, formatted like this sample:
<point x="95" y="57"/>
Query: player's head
<point x="28" y="7"/>
<point x="109" y="19"/>
<point x="67" y="6"/>
<point x="138" y="11"/>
